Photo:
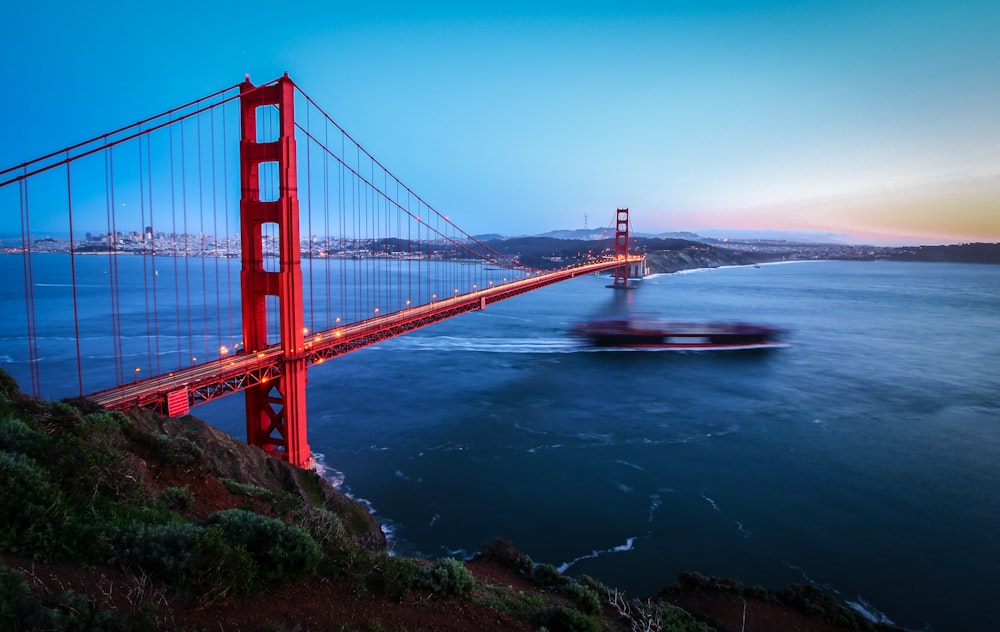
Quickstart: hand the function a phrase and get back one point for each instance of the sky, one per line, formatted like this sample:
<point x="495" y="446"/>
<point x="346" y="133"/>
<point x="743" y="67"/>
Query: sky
<point x="877" y="121"/>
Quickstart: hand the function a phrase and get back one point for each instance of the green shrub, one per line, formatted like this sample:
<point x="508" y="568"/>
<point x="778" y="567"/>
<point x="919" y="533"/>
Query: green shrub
<point x="393" y="575"/>
<point x="563" y="619"/>
<point x="505" y="553"/>
<point x="279" y="503"/>
<point x="674" y="618"/>
<point x="9" y="389"/>
<point x="548" y="575"/>
<point x="585" y="597"/>
<point x="31" y="508"/>
<point x="17" y="436"/>
<point x="282" y="551"/>
<point x="14" y="593"/>
<point x="246" y="489"/>
<point x="69" y="611"/>
<point x="447" y="577"/>
<point x="325" y="527"/>
<point x="177" y="498"/>
<point x="174" y="450"/>
<point x="189" y="557"/>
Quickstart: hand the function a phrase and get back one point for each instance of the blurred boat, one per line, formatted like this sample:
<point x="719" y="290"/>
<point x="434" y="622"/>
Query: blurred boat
<point x="660" y="334"/>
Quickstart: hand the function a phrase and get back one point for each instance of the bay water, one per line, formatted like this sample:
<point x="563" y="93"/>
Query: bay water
<point x="863" y="458"/>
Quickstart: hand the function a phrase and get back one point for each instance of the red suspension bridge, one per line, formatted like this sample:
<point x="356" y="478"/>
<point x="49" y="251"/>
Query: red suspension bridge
<point x="204" y="285"/>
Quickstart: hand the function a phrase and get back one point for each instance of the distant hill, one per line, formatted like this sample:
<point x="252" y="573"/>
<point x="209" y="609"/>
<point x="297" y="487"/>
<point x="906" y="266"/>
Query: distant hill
<point x="956" y="253"/>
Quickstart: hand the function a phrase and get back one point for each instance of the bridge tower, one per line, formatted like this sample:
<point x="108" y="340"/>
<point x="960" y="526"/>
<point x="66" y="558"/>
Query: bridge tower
<point x="276" y="409"/>
<point x="621" y="251"/>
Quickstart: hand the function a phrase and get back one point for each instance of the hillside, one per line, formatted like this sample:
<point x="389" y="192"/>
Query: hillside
<point x="141" y="522"/>
<point x="675" y="254"/>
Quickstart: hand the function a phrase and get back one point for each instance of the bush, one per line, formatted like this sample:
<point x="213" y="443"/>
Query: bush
<point x="176" y="451"/>
<point x="188" y="557"/>
<point x="14" y="593"/>
<point x="585" y="597"/>
<point x="9" y="389"/>
<point x="562" y="619"/>
<point x="17" y="436"/>
<point x="279" y="503"/>
<point x="20" y="610"/>
<point x="393" y="575"/>
<point x="282" y="551"/>
<point x="447" y="577"/>
<point x="548" y="575"/>
<point x="177" y="498"/>
<point x="503" y="552"/>
<point x="31" y="508"/>
<point x="325" y="527"/>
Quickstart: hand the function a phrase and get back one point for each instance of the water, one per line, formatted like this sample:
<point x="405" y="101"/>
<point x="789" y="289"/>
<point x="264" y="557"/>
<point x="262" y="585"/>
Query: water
<point x="864" y="458"/>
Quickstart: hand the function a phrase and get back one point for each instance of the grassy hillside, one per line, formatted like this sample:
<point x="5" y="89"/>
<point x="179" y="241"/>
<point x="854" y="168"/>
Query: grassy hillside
<point x="140" y="522"/>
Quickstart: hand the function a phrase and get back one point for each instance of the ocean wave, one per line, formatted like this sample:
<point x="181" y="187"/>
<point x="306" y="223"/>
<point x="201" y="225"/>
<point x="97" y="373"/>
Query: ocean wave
<point x="746" y="532"/>
<point x="403" y="477"/>
<point x="530" y="430"/>
<point x="622" y="487"/>
<point x="632" y="465"/>
<point x="562" y="568"/>
<point x="859" y="605"/>
<point x="869" y="612"/>
<point x="655" y="502"/>
<point x="535" y="449"/>
<point x="710" y="502"/>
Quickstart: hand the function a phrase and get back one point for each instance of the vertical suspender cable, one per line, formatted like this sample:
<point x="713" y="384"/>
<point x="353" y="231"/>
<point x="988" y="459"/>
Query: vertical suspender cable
<point x="152" y="258"/>
<point x="29" y="289"/>
<point x="203" y="250"/>
<point x="229" y="234"/>
<point x="187" y="250"/>
<point x="145" y="262"/>
<point x="309" y="223"/>
<point x="326" y="222"/>
<point x="177" y="253"/>
<point x="342" y="309"/>
<point x="217" y="303"/>
<point x="113" y="264"/>
<point x="72" y="273"/>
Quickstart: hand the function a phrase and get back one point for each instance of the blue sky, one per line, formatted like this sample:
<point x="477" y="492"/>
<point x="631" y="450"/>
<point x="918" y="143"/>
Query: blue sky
<point x="877" y="119"/>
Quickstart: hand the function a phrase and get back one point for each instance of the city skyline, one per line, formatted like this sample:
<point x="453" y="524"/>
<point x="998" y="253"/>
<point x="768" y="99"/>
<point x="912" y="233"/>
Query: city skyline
<point x="877" y="121"/>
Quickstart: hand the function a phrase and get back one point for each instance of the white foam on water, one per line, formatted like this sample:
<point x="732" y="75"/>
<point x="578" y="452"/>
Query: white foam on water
<point x="869" y="612"/>
<point x="622" y="486"/>
<point x="711" y="502"/>
<point x="621" y="548"/>
<point x="530" y="430"/>
<point x="604" y="439"/>
<point x="746" y="532"/>
<point x="632" y="465"/>
<point x="655" y="502"/>
<point x="336" y="478"/>
<point x="333" y="476"/>
<point x="434" y="519"/>
<point x="535" y="449"/>
<point x="6" y="359"/>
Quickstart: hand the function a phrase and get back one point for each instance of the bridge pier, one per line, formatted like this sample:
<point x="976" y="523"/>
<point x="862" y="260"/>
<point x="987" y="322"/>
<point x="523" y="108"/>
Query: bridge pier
<point x="276" y="409"/>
